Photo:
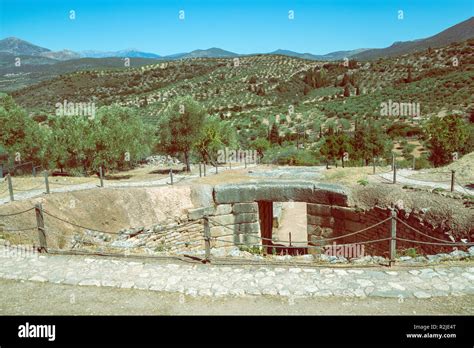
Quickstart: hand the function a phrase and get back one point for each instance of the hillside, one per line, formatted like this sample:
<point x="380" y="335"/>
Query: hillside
<point x="269" y="84"/>
<point x="15" y="46"/>
<point x="457" y="33"/>
<point x="35" y="69"/>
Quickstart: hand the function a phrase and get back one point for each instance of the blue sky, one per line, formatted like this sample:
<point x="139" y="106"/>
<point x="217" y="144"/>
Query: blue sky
<point x="245" y="26"/>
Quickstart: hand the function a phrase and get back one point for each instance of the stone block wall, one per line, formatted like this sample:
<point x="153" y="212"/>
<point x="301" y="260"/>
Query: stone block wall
<point x="231" y="223"/>
<point x="325" y="221"/>
<point x="168" y="236"/>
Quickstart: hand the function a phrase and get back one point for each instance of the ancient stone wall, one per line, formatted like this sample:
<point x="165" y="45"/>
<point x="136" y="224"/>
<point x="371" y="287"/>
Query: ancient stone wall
<point x="325" y="221"/>
<point x="232" y="224"/>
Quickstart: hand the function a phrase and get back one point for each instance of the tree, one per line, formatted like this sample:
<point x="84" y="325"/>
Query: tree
<point x="274" y="136"/>
<point x="20" y="134"/>
<point x="342" y="144"/>
<point x="446" y="135"/>
<point x="181" y="127"/>
<point x="114" y="139"/>
<point x="69" y="141"/>
<point x="216" y="135"/>
<point x="316" y="78"/>
<point x="347" y="92"/>
<point x="409" y="76"/>
<point x="329" y="147"/>
<point x="369" y="141"/>
<point x="120" y="137"/>
<point x="345" y="80"/>
<point x="260" y="145"/>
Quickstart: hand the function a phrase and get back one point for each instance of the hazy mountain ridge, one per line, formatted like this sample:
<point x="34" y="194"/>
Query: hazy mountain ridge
<point x="457" y="33"/>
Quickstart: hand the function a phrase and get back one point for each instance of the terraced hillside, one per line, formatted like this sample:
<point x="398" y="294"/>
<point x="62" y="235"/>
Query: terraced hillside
<point x="255" y="91"/>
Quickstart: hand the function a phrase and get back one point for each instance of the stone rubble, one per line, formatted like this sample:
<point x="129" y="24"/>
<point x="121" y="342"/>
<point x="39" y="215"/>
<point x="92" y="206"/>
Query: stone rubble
<point x="162" y="160"/>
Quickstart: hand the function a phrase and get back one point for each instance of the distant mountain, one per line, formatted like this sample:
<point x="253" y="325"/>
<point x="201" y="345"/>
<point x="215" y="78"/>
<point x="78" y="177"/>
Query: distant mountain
<point x="330" y="56"/>
<point x="8" y="60"/>
<point x="295" y="54"/>
<point x="61" y="55"/>
<point x="213" y="52"/>
<point x="19" y="47"/>
<point x="129" y="53"/>
<point x="457" y="33"/>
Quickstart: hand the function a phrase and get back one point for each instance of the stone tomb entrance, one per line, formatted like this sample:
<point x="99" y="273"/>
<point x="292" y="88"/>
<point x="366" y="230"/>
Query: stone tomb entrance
<point x="278" y="238"/>
<point x="241" y="215"/>
<point x="247" y="209"/>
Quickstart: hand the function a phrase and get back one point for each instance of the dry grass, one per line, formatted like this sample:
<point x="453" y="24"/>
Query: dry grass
<point x="351" y="175"/>
<point x="464" y="168"/>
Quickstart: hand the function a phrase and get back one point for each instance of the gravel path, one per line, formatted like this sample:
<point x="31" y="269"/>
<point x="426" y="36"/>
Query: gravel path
<point x="35" y="298"/>
<point x="403" y="177"/>
<point x="218" y="281"/>
<point x="20" y="196"/>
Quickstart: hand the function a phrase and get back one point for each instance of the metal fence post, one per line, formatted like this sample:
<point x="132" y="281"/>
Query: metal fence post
<point x="393" y="240"/>
<point x="171" y="176"/>
<point x="207" y="239"/>
<point x="101" y="176"/>
<point x="46" y="181"/>
<point x="200" y="170"/>
<point x="453" y="173"/>
<point x="40" y="226"/>
<point x="10" y="187"/>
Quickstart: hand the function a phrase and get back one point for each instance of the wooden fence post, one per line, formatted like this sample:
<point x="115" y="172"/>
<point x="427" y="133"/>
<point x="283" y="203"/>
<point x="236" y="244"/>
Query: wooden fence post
<point x="171" y="176"/>
<point x="40" y="226"/>
<point x="10" y="187"/>
<point x="200" y="170"/>
<point x="453" y="173"/>
<point x="373" y="165"/>
<point x="207" y="239"/>
<point x="101" y="175"/>
<point x="46" y="181"/>
<point x="204" y="168"/>
<point x="393" y="240"/>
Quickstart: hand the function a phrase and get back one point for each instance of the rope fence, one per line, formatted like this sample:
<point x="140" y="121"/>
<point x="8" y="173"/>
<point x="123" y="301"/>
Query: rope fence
<point x="204" y="236"/>
<point x="453" y="181"/>
<point x="12" y="188"/>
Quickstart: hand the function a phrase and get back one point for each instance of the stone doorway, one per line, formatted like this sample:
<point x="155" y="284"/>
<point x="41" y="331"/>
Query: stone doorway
<point x="287" y="235"/>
